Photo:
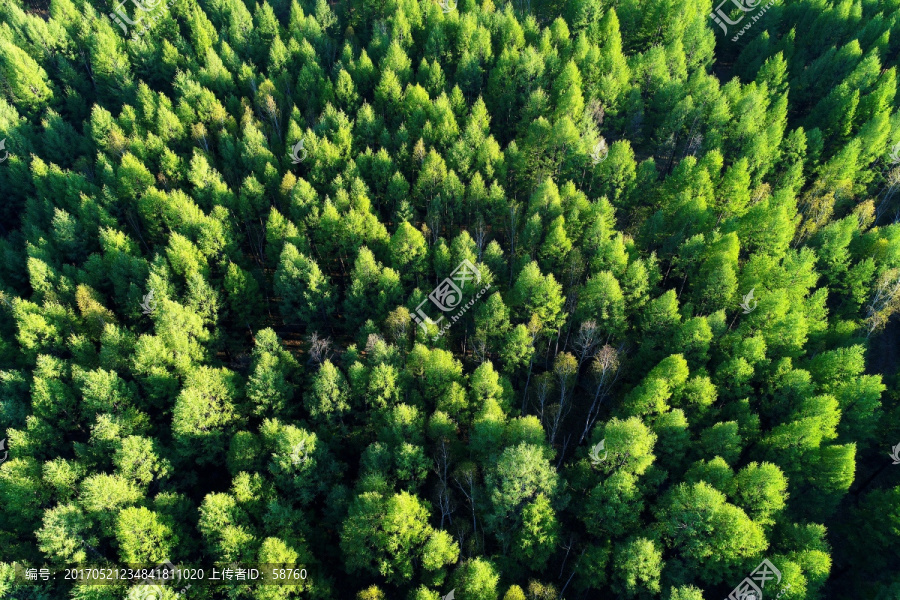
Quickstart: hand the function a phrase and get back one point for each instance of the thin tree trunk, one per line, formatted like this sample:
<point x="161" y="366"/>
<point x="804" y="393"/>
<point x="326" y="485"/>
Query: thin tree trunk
<point x="527" y="380"/>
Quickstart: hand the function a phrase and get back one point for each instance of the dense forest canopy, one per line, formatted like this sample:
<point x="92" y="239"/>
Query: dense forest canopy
<point x="539" y="300"/>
